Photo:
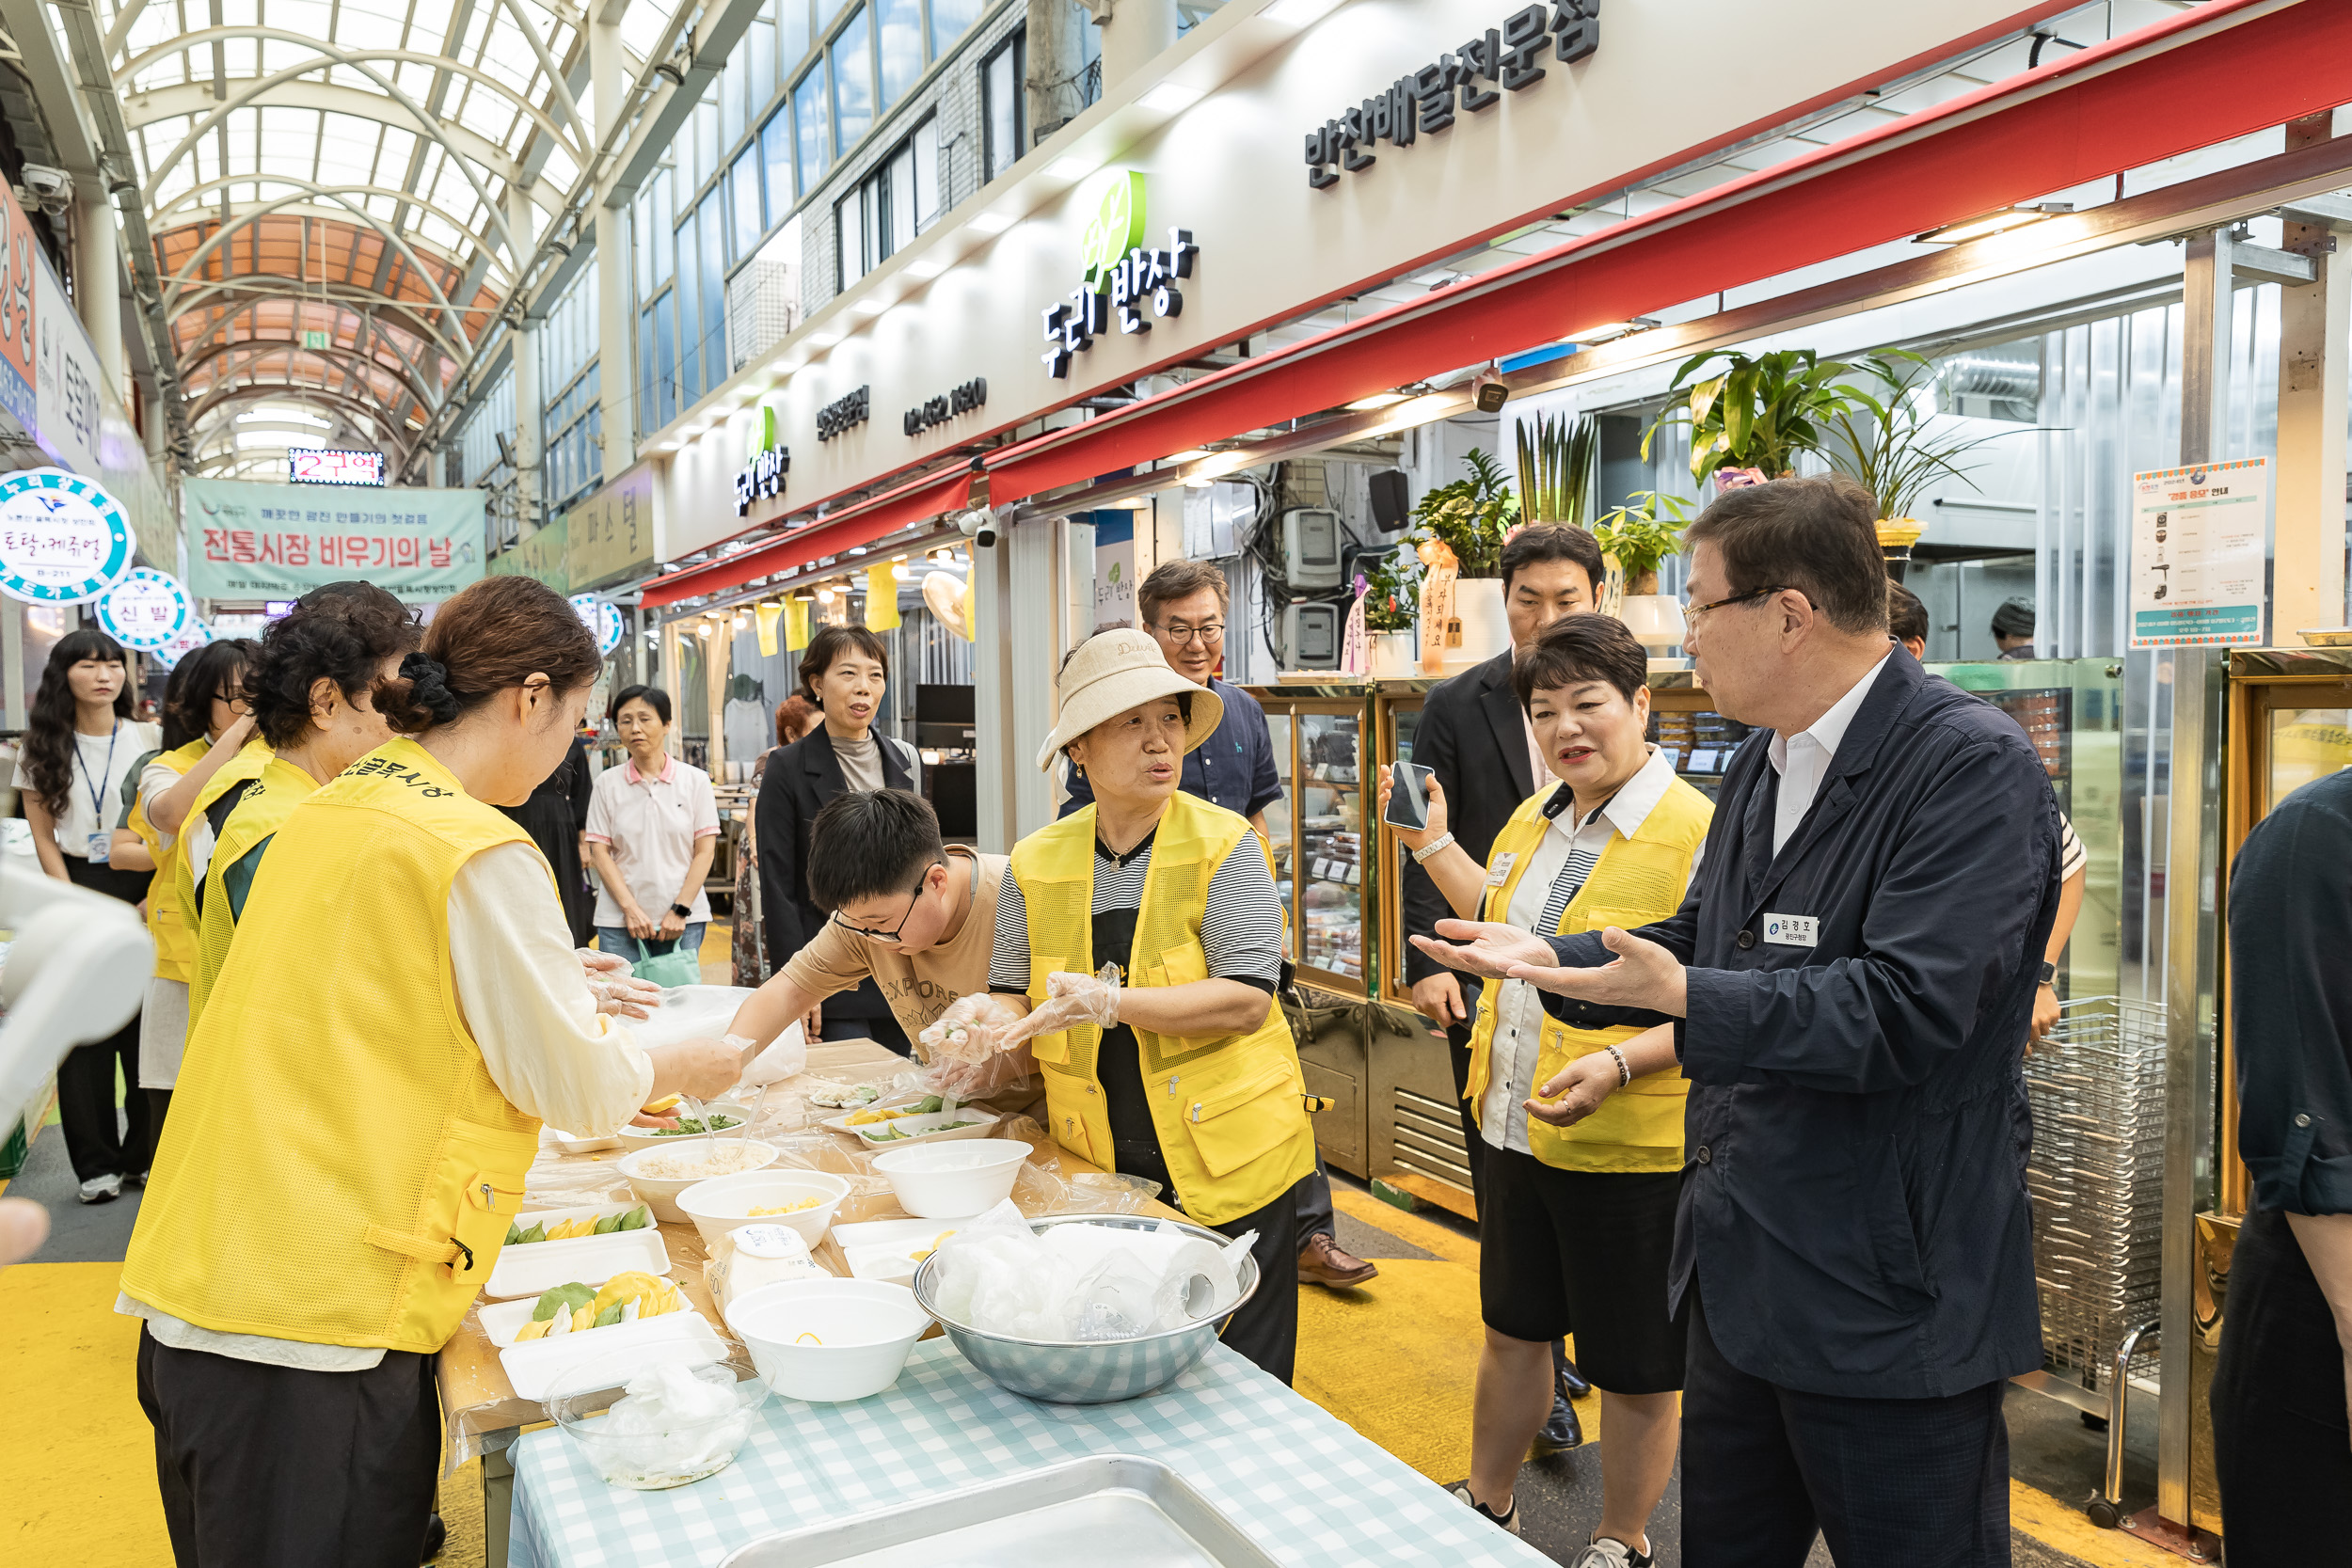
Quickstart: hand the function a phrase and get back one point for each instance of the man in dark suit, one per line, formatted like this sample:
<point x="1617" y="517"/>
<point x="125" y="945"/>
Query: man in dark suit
<point x="1851" y="975"/>
<point x="1475" y="737"/>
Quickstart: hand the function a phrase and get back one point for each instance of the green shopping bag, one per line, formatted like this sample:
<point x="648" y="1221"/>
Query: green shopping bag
<point x="677" y="967"/>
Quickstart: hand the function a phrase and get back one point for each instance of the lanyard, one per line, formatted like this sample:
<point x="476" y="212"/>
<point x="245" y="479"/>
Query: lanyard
<point x="97" y="785"/>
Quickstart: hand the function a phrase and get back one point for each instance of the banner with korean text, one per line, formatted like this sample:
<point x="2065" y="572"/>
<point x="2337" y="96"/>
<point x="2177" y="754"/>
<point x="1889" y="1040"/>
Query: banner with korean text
<point x="249" y="541"/>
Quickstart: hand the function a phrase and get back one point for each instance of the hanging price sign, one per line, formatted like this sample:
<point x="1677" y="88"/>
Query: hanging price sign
<point x="146" y="610"/>
<point x="194" y="636"/>
<point x="63" y="540"/>
<point x="602" y="620"/>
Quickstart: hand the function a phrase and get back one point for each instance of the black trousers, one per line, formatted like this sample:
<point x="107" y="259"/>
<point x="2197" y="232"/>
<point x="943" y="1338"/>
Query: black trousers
<point x="1458" y="1037"/>
<point x="1265" y="1330"/>
<point x="271" y="1467"/>
<point x="1892" y="1483"/>
<point x="1315" y="1216"/>
<point x="94" y="1141"/>
<point x="2281" y="1448"/>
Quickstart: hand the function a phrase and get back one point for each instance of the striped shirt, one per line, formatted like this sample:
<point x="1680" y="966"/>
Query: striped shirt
<point x="1241" y="931"/>
<point x="2072" y="856"/>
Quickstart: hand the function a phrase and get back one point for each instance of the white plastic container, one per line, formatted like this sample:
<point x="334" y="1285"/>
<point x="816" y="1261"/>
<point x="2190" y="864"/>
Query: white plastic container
<point x="526" y="1271"/>
<point x="829" y="1339"/>
<point x="502" y="1321"/>
<point x="953" y="1180"/>
<point x="661" y="1193"/>
<point x="722" y="1203"/>
<point x="932" y="1127"/>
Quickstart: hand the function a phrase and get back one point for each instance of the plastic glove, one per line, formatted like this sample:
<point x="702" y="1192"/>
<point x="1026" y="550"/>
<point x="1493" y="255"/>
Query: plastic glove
<point x="1004" y="1071"/>
<point x="1071" y="999"/>
<point x="616" y="993"/>
<point x="971" y="1030"/>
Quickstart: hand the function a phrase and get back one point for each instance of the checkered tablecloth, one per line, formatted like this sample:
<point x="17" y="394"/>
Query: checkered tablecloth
<point x="1304" y="1487"/>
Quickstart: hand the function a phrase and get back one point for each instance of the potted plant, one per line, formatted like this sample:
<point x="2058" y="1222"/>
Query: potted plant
<point x="1749" y="422"/>
<point x="1556" y="458"/>
<point x="1883" y="440"/>
<point x="1391" y="597"/>
<point x="1470" y="518"/>
<point x="1635" y="540"/>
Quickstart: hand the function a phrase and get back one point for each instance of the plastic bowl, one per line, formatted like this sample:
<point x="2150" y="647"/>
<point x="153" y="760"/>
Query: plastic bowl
<point x="661" y="1193"/>
<point x="953" y="1180"/>
<point x="633" y="1137"/>
<point x="829" y="1339"/>
<point x="1089" y="1372"/>
<point x="722" y="1203"/>
<point x="673" y="1458"/>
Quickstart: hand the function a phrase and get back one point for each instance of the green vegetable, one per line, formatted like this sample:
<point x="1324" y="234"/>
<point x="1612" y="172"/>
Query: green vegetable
<point x="607" y="1318"/>
<point x="563" y="1298"/>
<point x="928" y="1104"/>
<point x="689" y="1125"/>
<point x="513" y="1233"/>
<point x="536" y="1233"/>
<point x="881" y="1134"/>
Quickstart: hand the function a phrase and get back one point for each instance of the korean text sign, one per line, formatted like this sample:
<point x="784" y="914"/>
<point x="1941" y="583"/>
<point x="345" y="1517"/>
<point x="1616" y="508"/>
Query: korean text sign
<point x="279" y="541"/>
<point x="2199" y="537"/>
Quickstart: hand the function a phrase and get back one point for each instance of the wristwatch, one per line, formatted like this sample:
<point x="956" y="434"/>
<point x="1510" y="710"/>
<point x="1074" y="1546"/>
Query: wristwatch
<point x="686" y="911"/>
<point x="2049" y="972"/>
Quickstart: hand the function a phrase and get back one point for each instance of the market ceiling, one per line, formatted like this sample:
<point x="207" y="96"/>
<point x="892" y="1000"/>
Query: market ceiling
<point x="330" y="189"/>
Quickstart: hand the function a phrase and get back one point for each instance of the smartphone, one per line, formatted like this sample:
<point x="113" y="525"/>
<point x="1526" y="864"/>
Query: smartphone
<point x="1408" y="801"/>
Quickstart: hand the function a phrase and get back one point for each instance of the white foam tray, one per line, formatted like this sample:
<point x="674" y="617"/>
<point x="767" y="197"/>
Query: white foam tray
<point x="617" y="1353"/>
<point x="526" y="1271"/>
<point x="929" y="1128"/>
<point x="504" y="1319"/>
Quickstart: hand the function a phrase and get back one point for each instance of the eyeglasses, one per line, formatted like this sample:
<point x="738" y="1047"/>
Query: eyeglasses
<point x="236" y="700"/>
<point x="1691" y="613"/>
<point x="1182" y="635"/>
<point x="898" y="932"/>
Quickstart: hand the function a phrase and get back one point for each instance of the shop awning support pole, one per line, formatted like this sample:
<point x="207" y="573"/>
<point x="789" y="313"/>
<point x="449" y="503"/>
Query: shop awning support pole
<point x="2192" y="787"/>
<point x="2314" y="320"/>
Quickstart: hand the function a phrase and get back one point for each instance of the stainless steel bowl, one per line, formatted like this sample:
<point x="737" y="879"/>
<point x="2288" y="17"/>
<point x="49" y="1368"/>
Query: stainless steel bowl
<point x="1085" y="1371"/>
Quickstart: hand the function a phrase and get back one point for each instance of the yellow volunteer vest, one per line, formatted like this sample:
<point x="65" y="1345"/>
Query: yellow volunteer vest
<point x="259" y="814"/>
<point x="1636" y="880"/>
<point x="247" y="765"/>
<point x="1229" y="1109"/>
<point x="167" y="921"/>
<point x="338" y="1168"/>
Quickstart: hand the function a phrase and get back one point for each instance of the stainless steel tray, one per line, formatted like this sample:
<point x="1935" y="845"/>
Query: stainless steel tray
<point x="1069" y="1514"/>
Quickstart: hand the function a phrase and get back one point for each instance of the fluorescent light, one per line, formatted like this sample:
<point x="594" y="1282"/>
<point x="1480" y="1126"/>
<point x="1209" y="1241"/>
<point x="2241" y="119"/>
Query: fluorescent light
<point x="1992" y="223"/>
<point x="925" y="268"/>
<point x="870" y="306"/>
<point x="823" y="340"/>
<point x="1418" y="411"/>
<point x="1297" y="13"/>
<point x="991" y="223"/>
<point x="1073" y="165"/>
<point x="1170" y="97"/>
<point x="1186" y="456"/>
<point x="1377" y="400"/>
<point x="1609" y="331"/>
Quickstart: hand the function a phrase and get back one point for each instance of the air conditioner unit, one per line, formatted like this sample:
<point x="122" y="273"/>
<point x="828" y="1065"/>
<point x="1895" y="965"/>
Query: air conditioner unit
<point x="1311" y="548"/>
<point x="1311" y="636"/>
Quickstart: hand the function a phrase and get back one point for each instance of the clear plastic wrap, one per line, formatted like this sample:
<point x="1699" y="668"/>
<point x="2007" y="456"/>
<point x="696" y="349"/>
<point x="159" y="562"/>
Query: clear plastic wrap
<point x="1082" y="1282"/>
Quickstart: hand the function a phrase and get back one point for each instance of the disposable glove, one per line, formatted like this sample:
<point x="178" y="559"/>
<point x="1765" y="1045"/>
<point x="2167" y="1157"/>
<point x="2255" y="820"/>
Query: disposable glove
<point x="617" y="992"/>
<point x="971" y="1030"/>
<point x="1071" y="999"/>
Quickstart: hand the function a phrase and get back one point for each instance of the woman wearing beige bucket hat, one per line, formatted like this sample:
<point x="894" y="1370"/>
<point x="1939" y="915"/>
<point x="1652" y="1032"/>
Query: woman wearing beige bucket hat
<point x="1138" y="947"/>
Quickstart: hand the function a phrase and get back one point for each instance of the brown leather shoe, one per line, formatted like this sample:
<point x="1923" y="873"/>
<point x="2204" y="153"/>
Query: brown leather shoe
<point x="1321" y="1262"/>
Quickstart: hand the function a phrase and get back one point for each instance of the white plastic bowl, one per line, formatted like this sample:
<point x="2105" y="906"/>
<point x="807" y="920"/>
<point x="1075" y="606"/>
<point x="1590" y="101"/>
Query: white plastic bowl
<point x="722" y="1203"/>
<point x="953" y="1180"/>
<point x="828" y="1340"/>
<point x="633" y="1137"/>
<point x="660" y="1193"/>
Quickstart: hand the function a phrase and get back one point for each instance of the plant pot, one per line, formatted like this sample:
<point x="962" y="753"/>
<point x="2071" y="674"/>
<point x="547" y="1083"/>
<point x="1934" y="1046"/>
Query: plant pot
<point x="1897" y="535"/>
<point x="1653" y="619"/>
<point x="1485" y="629"/>
<point x="1393" y="656"/>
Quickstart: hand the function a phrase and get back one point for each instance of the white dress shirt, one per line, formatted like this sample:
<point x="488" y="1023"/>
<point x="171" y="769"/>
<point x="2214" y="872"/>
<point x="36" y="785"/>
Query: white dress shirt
<point x="1568" y="846"/>
<point x="1803" y="760"/>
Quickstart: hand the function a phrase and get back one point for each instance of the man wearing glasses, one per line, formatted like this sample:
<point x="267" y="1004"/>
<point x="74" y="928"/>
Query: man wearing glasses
<point x="1184" y="605"/>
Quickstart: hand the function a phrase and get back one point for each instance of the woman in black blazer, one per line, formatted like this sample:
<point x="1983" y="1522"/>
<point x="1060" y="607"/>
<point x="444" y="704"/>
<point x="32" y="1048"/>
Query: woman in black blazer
<point x="846" y="673"/>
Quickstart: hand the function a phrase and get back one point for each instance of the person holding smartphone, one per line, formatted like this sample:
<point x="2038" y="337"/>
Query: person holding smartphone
<point x="1583" y="1127"/>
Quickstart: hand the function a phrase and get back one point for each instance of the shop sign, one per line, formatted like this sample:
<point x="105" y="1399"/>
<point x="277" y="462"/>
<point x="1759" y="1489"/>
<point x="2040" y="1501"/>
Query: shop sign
<point x="147" y="610"/>
<point x="845" y="413"/>
<point x="63" y="540"/>
<point x="20" y="266"/>
<point x="1118" y="274"/>
<point x="762" y="475"/>
<point x="192" y="637"/>
<point x="66" y="395"/>
<point x="2198" y="555"/>
<point x="249" y="541"/>
<point x="613" y="532"/>
<point x="602" y="620"/>
<point x="932" y="411"/>
<point x="1427" y="98"/>
<point x="545" y="557"/>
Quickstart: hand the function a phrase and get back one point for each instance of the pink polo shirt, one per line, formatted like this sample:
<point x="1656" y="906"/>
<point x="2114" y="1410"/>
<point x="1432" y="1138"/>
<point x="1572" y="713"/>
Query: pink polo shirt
<point x="652" y="823"/>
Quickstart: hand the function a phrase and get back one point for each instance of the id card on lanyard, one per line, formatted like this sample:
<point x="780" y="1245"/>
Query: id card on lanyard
<point x="99" y="850"/>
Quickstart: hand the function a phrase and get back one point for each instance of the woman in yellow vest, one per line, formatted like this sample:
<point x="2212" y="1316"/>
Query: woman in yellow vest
<point x="1583" y="1128"/>
<point x="1180" y="1065"/>
<point x="360" y="1102"/>
<point x="205" y="724"/>
<point x="311" y="692"/>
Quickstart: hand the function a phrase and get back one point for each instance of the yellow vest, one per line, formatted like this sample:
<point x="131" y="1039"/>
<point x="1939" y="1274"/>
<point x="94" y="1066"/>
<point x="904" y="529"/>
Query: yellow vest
<point x="259" y="814"/>
<point x="167" y="921"/>
<point x="338" y="1168"/>
<point x="1229" y="1109"/>
<point x="247" y="765"/>
<point x="1636" y="880"/>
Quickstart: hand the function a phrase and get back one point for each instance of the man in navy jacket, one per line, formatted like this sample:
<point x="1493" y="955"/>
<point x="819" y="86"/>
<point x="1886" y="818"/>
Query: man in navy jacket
<point x="1852" y="978"/>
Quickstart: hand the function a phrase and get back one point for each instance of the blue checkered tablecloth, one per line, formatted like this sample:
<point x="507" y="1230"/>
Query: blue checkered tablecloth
<point x="1304" y="1487"/>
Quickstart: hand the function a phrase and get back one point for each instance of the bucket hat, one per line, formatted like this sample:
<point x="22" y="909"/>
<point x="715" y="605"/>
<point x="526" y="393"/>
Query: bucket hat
<point x="1113" y="672"/>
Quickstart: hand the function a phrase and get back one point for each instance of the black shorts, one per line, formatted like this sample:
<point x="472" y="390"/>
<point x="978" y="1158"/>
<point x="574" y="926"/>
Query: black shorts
<point x="1584" y="1253"/>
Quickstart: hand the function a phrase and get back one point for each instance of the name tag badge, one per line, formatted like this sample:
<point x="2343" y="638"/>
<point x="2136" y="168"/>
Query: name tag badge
<point x="1792" y="930"/>
<point x="101" y="848"/>
<point x="1499" y="872"/>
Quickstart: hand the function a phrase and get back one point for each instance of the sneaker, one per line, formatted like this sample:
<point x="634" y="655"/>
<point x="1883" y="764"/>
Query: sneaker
<point x="139" y="1179"/>
<point x="1321" y="1261"/>
<point x="1607" y="1551"/>
<point x="1508" y="1519"/>
<point x="102" y="1189"/>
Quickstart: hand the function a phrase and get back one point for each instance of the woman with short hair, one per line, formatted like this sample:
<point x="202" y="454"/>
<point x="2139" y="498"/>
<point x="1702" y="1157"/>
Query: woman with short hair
<point x="652" y="830"/>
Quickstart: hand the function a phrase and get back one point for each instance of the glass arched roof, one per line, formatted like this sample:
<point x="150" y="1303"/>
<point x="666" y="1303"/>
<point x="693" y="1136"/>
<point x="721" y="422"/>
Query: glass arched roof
<point x="327" y="187"/>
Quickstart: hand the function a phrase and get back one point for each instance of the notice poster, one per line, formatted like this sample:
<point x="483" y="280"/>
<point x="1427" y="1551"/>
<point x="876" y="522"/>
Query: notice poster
<point x="2199" y="549"/>
<point x="252" y="541"/>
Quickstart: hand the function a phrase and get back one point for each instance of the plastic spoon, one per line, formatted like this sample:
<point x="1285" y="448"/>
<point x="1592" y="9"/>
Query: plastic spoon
<point x="752" y="1114"/>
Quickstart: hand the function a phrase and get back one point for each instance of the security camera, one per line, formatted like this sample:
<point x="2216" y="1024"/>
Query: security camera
<point x="1490" y="394"/>
<point x="977" y="525"/>
<point x="51" y="188"/>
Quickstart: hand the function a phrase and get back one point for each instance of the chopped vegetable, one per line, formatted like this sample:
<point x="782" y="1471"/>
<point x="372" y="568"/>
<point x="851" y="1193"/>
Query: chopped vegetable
<point x="686" y="1125"/>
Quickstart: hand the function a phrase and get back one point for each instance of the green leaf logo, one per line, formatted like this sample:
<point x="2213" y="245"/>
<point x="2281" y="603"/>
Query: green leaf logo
<point x="1116" y="228"/>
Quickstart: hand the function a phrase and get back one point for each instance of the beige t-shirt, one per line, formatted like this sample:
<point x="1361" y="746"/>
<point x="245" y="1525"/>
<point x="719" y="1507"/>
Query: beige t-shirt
<point x="917" y="986"/>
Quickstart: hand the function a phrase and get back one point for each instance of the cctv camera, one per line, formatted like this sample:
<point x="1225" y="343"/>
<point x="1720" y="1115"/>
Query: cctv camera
<point x="1490" y="394"/>
<point x="977" y="525"/>
<point x="52" y="188"/>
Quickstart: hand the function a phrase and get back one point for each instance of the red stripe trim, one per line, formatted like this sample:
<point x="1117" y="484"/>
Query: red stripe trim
<point x="883" y="516"/>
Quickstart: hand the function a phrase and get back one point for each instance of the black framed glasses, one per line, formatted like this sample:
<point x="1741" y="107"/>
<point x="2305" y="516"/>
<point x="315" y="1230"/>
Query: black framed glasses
<point x="1211" y="635"/>
<point x="896" y="932"/>
<point x="1691" y="612"/>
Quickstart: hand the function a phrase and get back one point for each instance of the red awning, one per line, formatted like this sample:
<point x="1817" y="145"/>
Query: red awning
<point x="2225" y="70"/>
<point x="863" y="524"/>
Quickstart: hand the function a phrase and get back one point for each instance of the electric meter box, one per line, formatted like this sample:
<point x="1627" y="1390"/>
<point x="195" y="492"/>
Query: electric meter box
<point x="1311" y="636"/>
<point x="1311" y="548"/>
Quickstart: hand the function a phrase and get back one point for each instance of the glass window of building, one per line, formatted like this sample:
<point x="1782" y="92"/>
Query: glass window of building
<point x="853" y="56"/>
<point x="890" y="206"/>
<point x="928" y="199"/>
<point x="665" y="357"/>
<point x="1004" y="116"/>
<point x="792" y="33"/>
<point x="642" y="206"/>
<point x="733" y="85"/>
<point x="775" y="156"/>
<point x="900" y="24"/>
<point x="711" y="235"/>
<point x="658" y="224"/>
<point x="705" y="138"/>
<point x="761" y="45"/>
<point x="689" y="316"/>
<point x="743" y="187"/>
<point x="648" y="405"/>
<point x="808" y="116"/>
<point x="949" y="19"/>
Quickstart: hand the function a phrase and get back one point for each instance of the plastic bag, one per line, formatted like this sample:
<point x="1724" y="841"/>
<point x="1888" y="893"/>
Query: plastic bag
<point x="786" y="1056"/>
<point x="689" y="1012"/>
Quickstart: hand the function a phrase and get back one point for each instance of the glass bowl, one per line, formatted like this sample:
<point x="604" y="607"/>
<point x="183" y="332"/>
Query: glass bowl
<point x="674" y="1455"/>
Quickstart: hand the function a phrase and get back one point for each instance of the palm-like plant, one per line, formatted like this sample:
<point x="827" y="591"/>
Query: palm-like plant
<point x="1556" y="457"/>
<point x="1882" y="439"/>
<point x="1469" y="515"/>
<point x="1759" y="412"/>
